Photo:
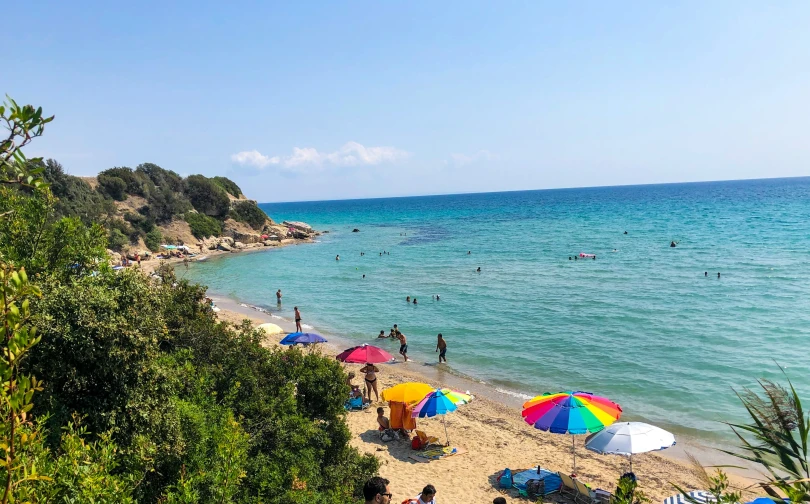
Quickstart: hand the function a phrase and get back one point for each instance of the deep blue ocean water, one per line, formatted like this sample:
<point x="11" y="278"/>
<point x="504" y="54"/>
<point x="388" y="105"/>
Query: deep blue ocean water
<point x="641" y="325"/>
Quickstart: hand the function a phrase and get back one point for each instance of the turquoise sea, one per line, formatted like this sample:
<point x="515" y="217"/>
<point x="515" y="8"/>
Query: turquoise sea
<point x="641" y="324"/>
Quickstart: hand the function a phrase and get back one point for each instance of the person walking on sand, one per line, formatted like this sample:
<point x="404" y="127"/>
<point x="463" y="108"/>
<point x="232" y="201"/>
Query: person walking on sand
<point x="370" y="370"/>
<point x="297" y="320"/>
<point x="403" y="345"/>
<point x="442" y="345"/>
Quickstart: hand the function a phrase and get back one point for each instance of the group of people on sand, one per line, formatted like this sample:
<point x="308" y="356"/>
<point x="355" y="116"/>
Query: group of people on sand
<point x="377" y="491"/>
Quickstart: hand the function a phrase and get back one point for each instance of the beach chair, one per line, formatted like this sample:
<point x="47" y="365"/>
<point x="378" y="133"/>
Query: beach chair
<point x="584" y="494"/>
<point x="425" y="440"/>
<point x="568" y="487"/>
<point x="603" y="496"/>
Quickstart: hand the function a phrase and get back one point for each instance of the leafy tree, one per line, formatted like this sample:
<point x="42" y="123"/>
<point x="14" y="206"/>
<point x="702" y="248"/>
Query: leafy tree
<point x="135" y="183"/>
<point x="207" y="197"/>
<point x="203" y="226"/>
<point x="114" y="187"/>
<point x="250" y="213"/>
<point x="153" y="239"/>
<point x="229" y="185"/>
<point x="116" y="240"/>
<point x="75" y="197"/>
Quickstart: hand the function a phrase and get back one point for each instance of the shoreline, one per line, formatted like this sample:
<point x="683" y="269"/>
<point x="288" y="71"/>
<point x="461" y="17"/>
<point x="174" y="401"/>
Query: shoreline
<point x="490" y="428"/>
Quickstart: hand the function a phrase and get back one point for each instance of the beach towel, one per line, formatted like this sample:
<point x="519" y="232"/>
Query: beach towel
<point x="432" y="454"/>
<point x="551" y="481"/>
<point x="401" y="416"/>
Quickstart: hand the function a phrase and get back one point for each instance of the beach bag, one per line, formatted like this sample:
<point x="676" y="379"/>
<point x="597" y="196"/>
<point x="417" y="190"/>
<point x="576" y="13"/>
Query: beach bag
<point x="416" y="443"/>
<point x="505" y="479"/>
<point x="535" y="488"/>
<point x="388" y="435"/>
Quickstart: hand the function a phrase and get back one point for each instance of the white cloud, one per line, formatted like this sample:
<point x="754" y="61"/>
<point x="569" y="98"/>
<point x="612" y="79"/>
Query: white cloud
<point x="253" y="158"/>
<point x="305" y="159"/>
<point x="465" y="159"/>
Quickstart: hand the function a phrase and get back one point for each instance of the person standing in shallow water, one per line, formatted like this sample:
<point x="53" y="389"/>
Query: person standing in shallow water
<point x="441" y="347"/>
<point x="718" y="275"/>
<point x="403" y="345"/>
<point x="297" y="320"/>
<point x="278" y="296"/>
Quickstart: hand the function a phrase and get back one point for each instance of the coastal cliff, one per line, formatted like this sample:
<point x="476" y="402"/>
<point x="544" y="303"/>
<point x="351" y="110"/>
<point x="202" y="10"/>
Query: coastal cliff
<point x="143" y="208"/>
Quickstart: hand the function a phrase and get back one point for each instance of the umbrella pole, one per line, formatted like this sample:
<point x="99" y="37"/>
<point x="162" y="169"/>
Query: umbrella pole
<point x="631" y="462"/>
<point x="444" y="421"/>
<point x="574" y="451"/>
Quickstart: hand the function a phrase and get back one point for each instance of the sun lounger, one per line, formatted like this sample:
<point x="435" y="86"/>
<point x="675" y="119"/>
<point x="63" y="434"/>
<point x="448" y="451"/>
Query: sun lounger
<point x="568" y="487"/>
<point x="584" y="494"/>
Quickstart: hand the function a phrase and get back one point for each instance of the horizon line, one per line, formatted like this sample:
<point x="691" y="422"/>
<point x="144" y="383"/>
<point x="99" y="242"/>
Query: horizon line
<point x="531" y="190"/>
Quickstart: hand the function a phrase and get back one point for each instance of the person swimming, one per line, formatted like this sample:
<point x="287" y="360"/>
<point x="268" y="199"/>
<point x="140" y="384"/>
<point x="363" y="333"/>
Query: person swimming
<point x="705" y="273"/>
<point x="478" y="270"/>
<point x="414" y="300"/>
<point x="337" y="257"/>
<point x="672" y="244"/>
<point x="625" y="232"/>
<point x="408" y="299"/>
<point x="437" y="297"/>
<point x="718" y="275"/>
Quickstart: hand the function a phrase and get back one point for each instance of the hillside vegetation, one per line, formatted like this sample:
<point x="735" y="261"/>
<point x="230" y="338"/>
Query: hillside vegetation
<point x="118" y="388"/>
<point x="150" y="205"/>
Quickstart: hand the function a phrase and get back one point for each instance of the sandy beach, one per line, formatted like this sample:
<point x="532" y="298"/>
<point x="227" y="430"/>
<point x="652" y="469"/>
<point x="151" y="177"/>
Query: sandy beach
<point x="493" y="434"/>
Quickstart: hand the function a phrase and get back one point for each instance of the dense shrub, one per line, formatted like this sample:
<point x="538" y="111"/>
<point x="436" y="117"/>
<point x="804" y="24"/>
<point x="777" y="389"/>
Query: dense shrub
<point x="153" y="239"/>
<point x="207" y="197"/>
<point x="135" y="183"/>
<point x="249" y="213"/>
<point x="229" y="185"/>
<point x="203" y="226"/>
<point x="75" y="196"/>
<point x="114" y="187"/>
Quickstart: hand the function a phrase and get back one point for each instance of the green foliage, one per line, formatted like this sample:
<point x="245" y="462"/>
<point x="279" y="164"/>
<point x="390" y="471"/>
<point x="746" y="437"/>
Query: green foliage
<point x="75" y="197"/>
<point x="153" y="239"/>
<point x="250" y="213"/>
<point x="31" y="238"/>
<point x="134" y="183"/>
<point x="116" y="240"/>
<point x="627" y="492"/>
<point x="716" y="484"/>
<point x="203" y="226"/>
<point x="207" y="197"/>
<point x="23" y="123"/>
<point x="776" y="439"/>
<point x="229" y="185"/>
<point x="114" y="187"/>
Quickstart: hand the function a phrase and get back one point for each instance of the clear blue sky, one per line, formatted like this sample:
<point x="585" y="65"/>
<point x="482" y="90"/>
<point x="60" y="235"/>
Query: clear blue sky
<point x="306" y="100"/>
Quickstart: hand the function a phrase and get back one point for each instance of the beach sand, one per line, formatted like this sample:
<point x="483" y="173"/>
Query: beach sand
<point x="494" y="436"/>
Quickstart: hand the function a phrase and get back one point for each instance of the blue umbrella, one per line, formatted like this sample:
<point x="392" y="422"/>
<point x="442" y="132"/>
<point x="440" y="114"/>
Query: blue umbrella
<point x="303" y="338"/>
<point x="764" y="500"/>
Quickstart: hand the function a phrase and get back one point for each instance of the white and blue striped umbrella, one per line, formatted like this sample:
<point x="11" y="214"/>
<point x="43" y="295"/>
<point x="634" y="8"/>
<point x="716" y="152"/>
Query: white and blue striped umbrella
<point x="697" y="495"/>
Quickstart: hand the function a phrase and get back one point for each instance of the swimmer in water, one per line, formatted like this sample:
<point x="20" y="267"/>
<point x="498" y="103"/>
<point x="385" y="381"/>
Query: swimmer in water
<point x="625" y="232"/>
<point x="337" y="257"/>
<point x="718" y="275"/>
<point x="364" y="276"/>
<point x="705" y="273"/>
<point x="407" y="300"/>
<point x="437" y="297"/>
<point x="414" y="300"/>
<point x="594" y="257"/>
<point x="382" y="335"/>
<point x="469" y="252"/>
<point x="478" y="270"/>
<point x="672" y="244"/>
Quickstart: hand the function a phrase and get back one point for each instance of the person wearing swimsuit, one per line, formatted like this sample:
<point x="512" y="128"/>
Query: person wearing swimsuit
<point x="297" y="320"/>
<point x="370" y="370"/>
<point x="403" y="345"/>
<point x="441" y="347"/>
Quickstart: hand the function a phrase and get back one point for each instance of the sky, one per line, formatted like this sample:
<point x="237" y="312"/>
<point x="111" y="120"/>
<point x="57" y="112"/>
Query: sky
<point x="334" y="100"/>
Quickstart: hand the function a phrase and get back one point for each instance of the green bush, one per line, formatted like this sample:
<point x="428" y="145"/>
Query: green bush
<point x="229" y="185"/>
<point x="203" y="226"/>
<point x="114" y="187"/>
<point x="206" y="196"/>
<point x="248" y="212"/>
<point x="153" y="239"/>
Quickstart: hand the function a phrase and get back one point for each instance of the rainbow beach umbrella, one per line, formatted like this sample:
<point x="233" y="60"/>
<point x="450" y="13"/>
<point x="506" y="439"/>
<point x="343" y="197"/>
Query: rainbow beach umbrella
<point x="570" y="413"/>
<point x="440" y="402"/>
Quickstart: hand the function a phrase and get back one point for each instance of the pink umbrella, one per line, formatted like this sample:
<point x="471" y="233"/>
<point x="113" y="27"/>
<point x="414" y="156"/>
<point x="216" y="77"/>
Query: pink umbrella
<point x="365" y="353"/>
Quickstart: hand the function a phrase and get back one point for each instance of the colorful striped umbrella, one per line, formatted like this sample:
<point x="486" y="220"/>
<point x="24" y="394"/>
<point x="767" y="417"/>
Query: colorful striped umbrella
<point x="440" y="402"/>
<point x="570" y="413"/>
